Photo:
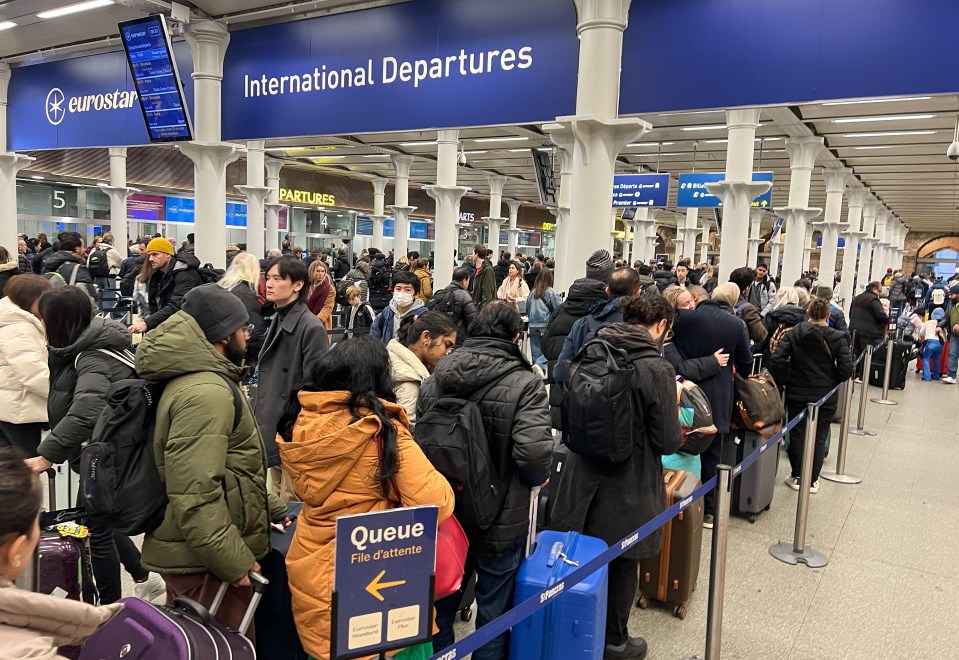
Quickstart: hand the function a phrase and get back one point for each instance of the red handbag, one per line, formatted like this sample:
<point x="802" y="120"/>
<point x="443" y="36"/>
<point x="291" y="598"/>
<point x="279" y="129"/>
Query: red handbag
<point x="451" y="548"/>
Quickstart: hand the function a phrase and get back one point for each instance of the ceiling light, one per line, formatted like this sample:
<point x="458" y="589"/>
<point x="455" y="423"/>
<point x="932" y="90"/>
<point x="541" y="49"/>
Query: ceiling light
<point x="712" y="127"/>
<point x="906" y="98"/>
<point x="769" y="139"/>
<point x="37" y="177"/>
<point x="723" y="141"/>
<point x="668" y="153"/>
<point x="889" y="134"/>
<point x="417" y="144"/>
<point x="876" y="146"/>
<point x="103" y="184"/>
<point x="498" y="139"/>
<point x="479" y="151"/>
<point x="692" y="112"/>
<point x="517" y="151"/>
<point x="6" y="25"/>
<point x="376" y="155"/>
<point x="641" y="145"/>
<point x="74" y="9"/>
<point x="856" y="120"/>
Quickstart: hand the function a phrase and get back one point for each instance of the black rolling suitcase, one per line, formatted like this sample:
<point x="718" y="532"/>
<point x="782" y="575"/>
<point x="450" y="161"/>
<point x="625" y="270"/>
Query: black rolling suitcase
<point x="276" y="635"/>
<point x="902" y="353"/>
<point x="753" y="489"/>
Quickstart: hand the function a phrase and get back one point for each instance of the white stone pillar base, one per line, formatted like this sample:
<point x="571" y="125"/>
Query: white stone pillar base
<point x="447" y="213"/>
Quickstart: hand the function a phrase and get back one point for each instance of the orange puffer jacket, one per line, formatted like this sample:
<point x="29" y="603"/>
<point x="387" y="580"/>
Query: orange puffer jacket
<point x="332" y="462"/>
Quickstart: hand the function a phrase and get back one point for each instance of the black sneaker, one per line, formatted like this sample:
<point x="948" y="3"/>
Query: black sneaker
<point x="634" y="649"/>
<point x="708" y="521"/>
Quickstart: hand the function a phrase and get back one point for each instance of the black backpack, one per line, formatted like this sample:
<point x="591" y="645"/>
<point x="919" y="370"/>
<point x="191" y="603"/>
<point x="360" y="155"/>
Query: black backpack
<point x="341" y="287"/>
<point x="209" y="274"/>
<point x="118" y="472"/>
<point x="128" y="281"/>
<point x="452" y="436"/>
<point x="443" y="302"/>
<point x="600" y="415"/>
<point x="97" y="263"/>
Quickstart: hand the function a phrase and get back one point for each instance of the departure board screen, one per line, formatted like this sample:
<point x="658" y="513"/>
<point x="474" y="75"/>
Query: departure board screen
<point x="147" y="45"/>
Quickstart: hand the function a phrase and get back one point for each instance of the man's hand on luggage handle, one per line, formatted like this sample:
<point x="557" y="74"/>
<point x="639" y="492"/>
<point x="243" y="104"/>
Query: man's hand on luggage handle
<point x="245" y="580"/>
<point x="38" y="464"/>
<point x="138" y="328"/>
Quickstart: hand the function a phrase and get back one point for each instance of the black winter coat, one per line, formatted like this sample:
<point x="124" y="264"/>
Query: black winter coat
<point x="516" y="421"/>
<point x="78" y="387"/>
<point x="609" y="501"/>
<point x="168" y="287"/>
<point x="788" y="316"/>
<point x="249" y="299"/>
<point x="501" y="270"/>
<point x="867" y="317"/>
<point x="664" y="279"/>
<point x="701" y="332"/>
<point x="811" y="360"/>
<point x="693" y="369"/>
<point x="462" y="312"/>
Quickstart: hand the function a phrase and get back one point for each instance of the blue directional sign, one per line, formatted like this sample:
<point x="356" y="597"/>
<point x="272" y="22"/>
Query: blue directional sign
<point x="840" y="243"/>
<point x="383" y="581"/>
<point x="640" y="190"/>
<point x="183" y="209"/>
<point x="692" y="190"/>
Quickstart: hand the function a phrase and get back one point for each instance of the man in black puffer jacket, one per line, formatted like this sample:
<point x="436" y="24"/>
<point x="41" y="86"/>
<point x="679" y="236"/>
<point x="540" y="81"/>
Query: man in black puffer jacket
<point x="665" y="277"/>
<point x="174" y="276"/>
<point x="501" y="269"/>
<point x="583" y="294"/>
<point x="516" y="422"/>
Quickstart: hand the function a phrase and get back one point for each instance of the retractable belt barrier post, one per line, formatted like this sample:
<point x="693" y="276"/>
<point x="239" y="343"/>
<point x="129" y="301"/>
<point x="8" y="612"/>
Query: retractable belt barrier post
<point x="885" y="400"/>
<point x="717" y="563"/>
<point x="798" y="551"/>
<point x="840" y="476"/>
<point x="861" y="420"/>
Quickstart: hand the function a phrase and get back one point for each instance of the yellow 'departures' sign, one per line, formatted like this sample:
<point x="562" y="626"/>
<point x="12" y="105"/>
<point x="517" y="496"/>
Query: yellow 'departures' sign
<point x="307" y="197"/>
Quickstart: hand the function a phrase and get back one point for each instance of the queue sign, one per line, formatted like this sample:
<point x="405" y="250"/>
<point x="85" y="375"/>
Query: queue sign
<point x="383" y="581"/>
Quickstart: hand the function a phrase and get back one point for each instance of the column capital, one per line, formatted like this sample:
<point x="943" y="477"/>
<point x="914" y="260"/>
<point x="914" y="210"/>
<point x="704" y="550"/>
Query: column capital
<point x="624" y="131"/>
<point x="274" y="207"/>
<point x="743" y="118"/>
<point x="118" y="152"/>
<point x="592" y="14"/>
<point x="208" y="41"/>
<point x="121" y="192"/>
<point x="4" y="82"/>
<point x="12" y="163"/>
<point x="256" y="192"/>
<point x="870" y="209"/>
<point x="379" y="185"/>
<point x="836" y="179"/>
<point x="490" y="220"/>
<point x="803" y="151"/>
<point x="402" y="164"/>
<point x="561" y="135"/>
<point x="803" y="215"/>
<point x="745" y="190"/>
<point x="273" y="167"/>
<point x="496" y="183"/>
<point x="378" y="217"/>
<point x="856" y="197"/>
<point x="401" y="211"/>
<point x="513" y="205"/>
<point x="561" y="214"/>
<point x="219" y="154"/>
<point x="756" y="214"/>
<point x="445" y="194"/>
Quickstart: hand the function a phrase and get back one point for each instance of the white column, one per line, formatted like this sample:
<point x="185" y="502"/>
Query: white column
<point x="690" y="233"/>
<point x="853" y="235"/>
<point x="273" y="206"/>
<point x="447" y="195"/>
<point x="737" y="191"/>
<point x="678" y="246"/>
<point x="612" y="232"/>
<point x="870" y="210"/>
<point x="10" y="164"/>
<point x="401" y="208"/>
<point x="118" y="192"/>
<point x="879" y="252"/>
<point x="755" y="230"/>
<point x="562" y="271"/>
<point x="900" y="243"/>
<point x="514" y="205"/>
<point x="802" y="157"/>
<point x="599" y="134"/>
<point x="256" y="196"/>
<point x="836" y="179"/>
<point x="208" y="41"/>
<point x="774" y="248"/>
<point x="495" y="218"/>
<point x="378" y="216"/>
<point x="704" y="244"/>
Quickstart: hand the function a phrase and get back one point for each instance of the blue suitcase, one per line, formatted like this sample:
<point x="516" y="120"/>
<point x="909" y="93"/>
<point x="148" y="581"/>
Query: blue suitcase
<point x="572" y="626"/>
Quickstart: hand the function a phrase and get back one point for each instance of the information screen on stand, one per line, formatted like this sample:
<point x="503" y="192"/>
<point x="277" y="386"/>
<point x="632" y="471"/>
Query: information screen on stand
<point x="150" y="55"/>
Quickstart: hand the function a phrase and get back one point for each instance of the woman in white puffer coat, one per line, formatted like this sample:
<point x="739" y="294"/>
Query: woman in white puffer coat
<point x="24" y="374"/>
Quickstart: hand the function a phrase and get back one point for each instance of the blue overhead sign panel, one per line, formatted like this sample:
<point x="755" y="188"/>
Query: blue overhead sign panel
<point x="160" y="93"/>
<point x="692" y="190"/>
<point x="383" y="581"/>
<point x="82" y="102"/>
<point x="640" y="190"/>
<point x="414" y="65"/>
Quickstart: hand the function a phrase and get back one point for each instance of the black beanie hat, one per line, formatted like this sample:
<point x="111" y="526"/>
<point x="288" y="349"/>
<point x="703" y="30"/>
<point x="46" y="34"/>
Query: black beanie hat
<point x="217" y="311"/>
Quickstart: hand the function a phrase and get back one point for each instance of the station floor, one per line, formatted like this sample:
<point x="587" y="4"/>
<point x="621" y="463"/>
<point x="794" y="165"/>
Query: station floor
<point x="891" y="588"/>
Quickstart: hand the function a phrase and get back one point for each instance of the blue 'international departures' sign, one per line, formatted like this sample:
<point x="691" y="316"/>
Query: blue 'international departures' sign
<point x="640" y="190"/>
<point x="183" y="209"/>
<point x="382" y="583"/>
<point x="692" y="190"/>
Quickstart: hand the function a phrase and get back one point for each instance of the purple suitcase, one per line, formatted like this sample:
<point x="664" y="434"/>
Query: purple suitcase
<point x="186" y="631"/>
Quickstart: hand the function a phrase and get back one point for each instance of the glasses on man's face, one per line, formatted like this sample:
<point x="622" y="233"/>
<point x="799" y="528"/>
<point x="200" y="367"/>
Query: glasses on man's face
<point x="248" y="330"/>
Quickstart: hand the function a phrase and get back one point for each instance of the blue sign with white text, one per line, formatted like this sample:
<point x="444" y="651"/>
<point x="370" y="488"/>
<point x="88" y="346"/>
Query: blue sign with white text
<point x="382" y="584"/>
<point x="183" y="209"/>
<point x="640" y="190"/>
<point x="692" y="190"/>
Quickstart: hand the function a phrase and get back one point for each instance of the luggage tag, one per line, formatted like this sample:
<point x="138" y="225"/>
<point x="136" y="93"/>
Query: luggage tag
<point x="73" y="530"/>
<point x="556" y="552"/>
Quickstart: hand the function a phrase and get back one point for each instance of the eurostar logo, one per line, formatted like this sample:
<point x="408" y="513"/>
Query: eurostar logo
<point x="54" y="106"/>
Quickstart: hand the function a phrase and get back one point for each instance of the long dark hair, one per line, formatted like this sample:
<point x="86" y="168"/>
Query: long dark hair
<point x="412" y="327"/>
<point x="19" y="495"/>
<point x="360" y="366"/>
<point x="66" y="312"/>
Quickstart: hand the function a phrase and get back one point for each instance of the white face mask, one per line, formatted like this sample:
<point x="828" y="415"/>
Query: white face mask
<point x="403" y="299"/>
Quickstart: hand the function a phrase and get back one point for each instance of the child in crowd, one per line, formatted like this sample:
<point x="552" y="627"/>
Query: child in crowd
<point x="361" y="314"/>
<point x="932" y="333"/>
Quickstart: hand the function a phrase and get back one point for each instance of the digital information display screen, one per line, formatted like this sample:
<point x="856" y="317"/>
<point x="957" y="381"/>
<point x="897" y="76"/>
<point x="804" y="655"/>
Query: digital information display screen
<point x="147" y="45"/>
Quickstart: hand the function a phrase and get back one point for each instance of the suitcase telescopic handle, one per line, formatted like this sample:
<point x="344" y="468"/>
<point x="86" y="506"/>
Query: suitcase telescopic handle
<point x="259" y="584"/>
<point x="533" y="514"/>
<point x="51" y="488"/>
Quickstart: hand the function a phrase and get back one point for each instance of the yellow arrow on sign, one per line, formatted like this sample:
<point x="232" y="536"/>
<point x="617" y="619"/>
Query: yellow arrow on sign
<point x="375" y="586"/>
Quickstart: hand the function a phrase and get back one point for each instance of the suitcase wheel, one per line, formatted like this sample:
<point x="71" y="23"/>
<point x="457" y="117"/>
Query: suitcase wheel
<point x="752" y="517"/>
<point x="466" y="614"/>
<point x="680" y="611"/>
<point x="643" y="602"/>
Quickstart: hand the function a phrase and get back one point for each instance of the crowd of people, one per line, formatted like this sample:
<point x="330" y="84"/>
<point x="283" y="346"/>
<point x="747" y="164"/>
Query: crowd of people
<point x="330" y="418"/>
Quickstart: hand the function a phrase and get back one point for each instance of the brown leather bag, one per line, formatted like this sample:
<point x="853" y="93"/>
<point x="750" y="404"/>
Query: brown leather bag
<point x="759" y="404"/>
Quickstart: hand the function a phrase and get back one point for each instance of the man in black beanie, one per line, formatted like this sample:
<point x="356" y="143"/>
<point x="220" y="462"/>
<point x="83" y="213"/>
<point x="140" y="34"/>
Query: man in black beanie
<point x="209" y="454"/>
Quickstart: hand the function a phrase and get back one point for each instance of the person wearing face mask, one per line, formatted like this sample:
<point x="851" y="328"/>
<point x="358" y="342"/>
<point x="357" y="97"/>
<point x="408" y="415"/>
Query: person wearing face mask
<point x="420" y="344"/>
<point x="404" y="303"/>
<point x="610" y="500"/>
<point x="33" y="625"/>
<point x="209" y="455"/>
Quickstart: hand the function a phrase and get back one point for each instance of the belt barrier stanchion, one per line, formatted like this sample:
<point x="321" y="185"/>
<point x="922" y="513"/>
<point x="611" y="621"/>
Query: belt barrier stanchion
<point x="885" y="400"/>
<point x="861" y="421"/>
<point x="840" y="476"/>
<point x="717" y="564"/>
<point x="798" y="551"/>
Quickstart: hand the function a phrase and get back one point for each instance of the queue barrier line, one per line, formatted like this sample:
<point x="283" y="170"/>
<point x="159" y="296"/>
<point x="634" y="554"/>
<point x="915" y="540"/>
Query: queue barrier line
<point x="536" y="602"/>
